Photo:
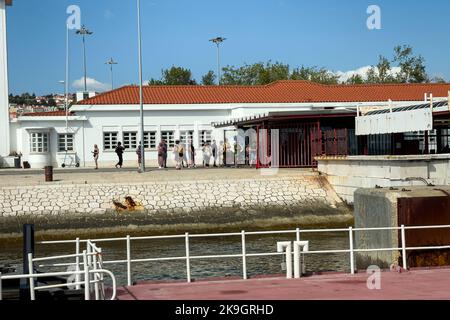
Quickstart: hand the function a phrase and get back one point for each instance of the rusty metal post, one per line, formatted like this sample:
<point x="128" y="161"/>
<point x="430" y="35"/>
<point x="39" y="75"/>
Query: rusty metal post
<point x="48" y="173"/>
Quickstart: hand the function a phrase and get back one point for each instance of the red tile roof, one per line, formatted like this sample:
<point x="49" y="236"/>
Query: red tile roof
<point x="47" y="114"/>
<point x="277" y="92"/>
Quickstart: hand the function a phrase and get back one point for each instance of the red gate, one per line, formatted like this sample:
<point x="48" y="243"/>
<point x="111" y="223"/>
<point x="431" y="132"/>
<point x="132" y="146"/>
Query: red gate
<point x="299" y="144"/>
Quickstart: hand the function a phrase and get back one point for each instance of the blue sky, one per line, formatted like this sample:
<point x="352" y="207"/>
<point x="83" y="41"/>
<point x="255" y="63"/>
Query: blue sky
<point x="328" y="33"/>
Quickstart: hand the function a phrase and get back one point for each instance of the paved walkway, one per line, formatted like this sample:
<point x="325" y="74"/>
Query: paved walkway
<point x="12" y="177"/>
<point x="416" y="284"/>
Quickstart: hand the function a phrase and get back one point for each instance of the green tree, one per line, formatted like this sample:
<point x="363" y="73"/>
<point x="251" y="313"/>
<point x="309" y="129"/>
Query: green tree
<point x="51" y="102"/>
<point x="438" y="79"/>
<point x="355" y="79"/>
<point x="412" y="68"/>
<point x="255" y="74"/>
<point x="315" y="74"/>
<point x="209" y="79"/>
<point x="175" y="76"/>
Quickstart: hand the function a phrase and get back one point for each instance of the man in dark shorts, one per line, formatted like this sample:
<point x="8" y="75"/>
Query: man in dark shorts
<point x="119" y="152"/>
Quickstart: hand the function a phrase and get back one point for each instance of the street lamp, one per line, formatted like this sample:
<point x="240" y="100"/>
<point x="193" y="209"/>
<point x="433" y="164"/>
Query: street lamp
<point x="84" y="32"/>
<point x="218" y="41"/>
<point x="141" y="96"/>
<point x="111" y="62"/>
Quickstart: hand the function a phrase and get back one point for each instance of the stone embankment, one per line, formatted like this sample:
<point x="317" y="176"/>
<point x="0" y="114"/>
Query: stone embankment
<point x="201" y="201"/>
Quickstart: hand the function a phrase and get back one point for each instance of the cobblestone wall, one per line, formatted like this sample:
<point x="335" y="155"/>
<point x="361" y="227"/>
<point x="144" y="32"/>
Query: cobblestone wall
<point x="307" y="192"/>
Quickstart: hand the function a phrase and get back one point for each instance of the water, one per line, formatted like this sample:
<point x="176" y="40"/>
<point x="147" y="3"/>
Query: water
<point x="200" y="269"/>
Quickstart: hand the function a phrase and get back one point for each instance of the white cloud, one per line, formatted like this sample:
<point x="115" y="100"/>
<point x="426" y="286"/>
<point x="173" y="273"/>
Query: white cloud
<point x="92" y="85"/>
<point x="345" y="75"/>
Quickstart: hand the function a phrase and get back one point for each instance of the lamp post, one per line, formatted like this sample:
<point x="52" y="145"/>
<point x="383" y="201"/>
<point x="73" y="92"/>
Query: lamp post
<point x="141" y="96"/>
<point x="218" y="41"/>
<point x="111" y="62"/>
<point x="84" y="32"/>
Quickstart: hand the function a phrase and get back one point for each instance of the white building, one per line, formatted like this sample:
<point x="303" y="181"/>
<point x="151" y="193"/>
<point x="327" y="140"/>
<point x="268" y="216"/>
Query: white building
<point x="182" y="112"/>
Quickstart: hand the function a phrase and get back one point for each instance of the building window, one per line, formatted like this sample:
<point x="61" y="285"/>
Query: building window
<point x="65" y="142"/>
<point x="169" y="136"/>
<point x="130" y="140"/>
<point x="109" y="140"/>
<point x="204" y="136"/>
<point x="150" y="140"/>
<point x="186" y="137"/>
<point x="39" y="142"/>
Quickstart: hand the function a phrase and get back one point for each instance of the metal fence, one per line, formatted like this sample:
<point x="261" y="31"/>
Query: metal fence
<point x="91" y="275"/>
<point x="297" y="233"/>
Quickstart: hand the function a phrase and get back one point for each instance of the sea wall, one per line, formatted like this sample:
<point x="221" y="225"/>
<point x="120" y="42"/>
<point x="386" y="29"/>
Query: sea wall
<point x="196" y="202"/>
<point x="346" y="174"/>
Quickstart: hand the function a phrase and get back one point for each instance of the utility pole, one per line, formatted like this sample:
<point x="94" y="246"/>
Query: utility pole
<point x="111" y="62"/>
<point x="218" y="41"/>
<point x="84" y="32"/>
<point x="141" y="96"/>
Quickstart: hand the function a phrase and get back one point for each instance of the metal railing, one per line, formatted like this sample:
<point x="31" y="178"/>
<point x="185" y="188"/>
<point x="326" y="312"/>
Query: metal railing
<point x="243" y="253"/>
<point x="92" y="272"/>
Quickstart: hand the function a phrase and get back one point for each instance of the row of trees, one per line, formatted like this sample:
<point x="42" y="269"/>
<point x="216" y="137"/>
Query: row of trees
<point x="403" y="67"/>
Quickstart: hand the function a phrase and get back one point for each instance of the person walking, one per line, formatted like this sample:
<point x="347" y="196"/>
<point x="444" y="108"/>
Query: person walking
<point x="96" y="153"/>
<point x="139" y="155"/>
<point x="215" y="152"/>
<point x="192" y="154"/>
<point x="184" y="161"/>
<point x="178" y="151"/>
<point x="165" y="153"/>
<point x="119" y="151"/>
<point x="206" y="154"/>
<point x="162" y="154"/>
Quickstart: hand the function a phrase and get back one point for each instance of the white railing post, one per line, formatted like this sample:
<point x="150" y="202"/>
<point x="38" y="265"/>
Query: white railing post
<point x="405" y="266"/>
<point x="89" y="261"/>
<point x="188" y="262"/>
<point x="1" y="286"/>
<point x="352" y="257"/>
<point x="299" y="262"/>
<point x="77" y="262"/>
<point x="297" y="234"/>
<point x="86" y="276"/>
<point x="244" y="257"/>
<point x="96" y="277"/>
<point x="286" y="245"/>
<point x="128" y="260"/>
<point x="100" y="266"/>
<point x="31" y="271"/>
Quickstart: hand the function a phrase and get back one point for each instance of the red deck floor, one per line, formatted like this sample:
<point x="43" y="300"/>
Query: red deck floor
<point x="416" y="284"/>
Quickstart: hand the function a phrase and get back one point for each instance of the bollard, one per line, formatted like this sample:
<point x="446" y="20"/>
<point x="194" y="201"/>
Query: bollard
<point x="28" y="248"/>
<point x="299" y="258"/>
<point x="286" y="246"/>
<point x="48" y="173"/>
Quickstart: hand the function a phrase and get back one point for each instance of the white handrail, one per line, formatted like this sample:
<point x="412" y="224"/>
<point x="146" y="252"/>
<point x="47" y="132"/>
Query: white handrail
<point x="243" y="254"/>
<point x="57" y="274"/>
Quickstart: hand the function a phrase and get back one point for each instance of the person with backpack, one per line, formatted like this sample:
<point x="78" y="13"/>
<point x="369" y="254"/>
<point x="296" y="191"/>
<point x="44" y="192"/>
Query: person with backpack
<point x="119" y="151"/>
<point x="178" y="151"/>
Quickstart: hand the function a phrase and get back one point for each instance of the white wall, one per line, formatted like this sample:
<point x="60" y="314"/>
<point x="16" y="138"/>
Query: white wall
<point x="4" y="104"/>
<point x="350" y="173"/>
<point x="53" y="127"/>
<point x="158" y="121"/>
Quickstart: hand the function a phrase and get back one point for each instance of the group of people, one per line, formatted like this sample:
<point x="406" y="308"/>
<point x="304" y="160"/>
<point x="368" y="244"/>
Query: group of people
<point x="184" y="154"/>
